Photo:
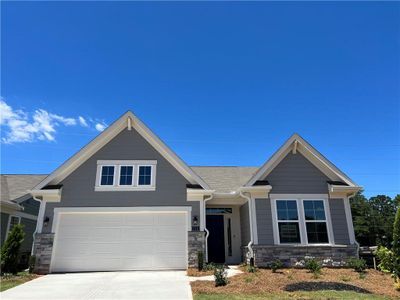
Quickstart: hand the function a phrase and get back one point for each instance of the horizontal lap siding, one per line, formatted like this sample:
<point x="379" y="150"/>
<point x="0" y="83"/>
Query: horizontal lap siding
<point x="29" y="229"/>
<point x="244" y="224"/>
<point x="264" y="222"/>
<point x="339" y="221"/>
<point x="31" y="206"/>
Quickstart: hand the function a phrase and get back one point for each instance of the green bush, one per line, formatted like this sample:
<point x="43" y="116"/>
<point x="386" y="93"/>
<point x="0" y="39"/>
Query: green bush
<point x="386" y="258"/>
<point x="200" y="261"/>
<point x="396" y="234"/>
<point x="221" y="276"/>
<point x="359" y="265"/>
<point x="209" y="267"/>
<point x="313" y="265"/>
<point x="10" y="250"/>
<point x="251" y="269"/>
<point x="32" y="262"/>
<point x="275" y="265"/>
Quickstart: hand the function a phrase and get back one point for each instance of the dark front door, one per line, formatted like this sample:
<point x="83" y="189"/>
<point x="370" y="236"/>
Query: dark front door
<point x="216" y="242"/>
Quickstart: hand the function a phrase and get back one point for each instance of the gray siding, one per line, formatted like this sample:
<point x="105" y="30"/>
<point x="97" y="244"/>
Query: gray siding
<point x="339" y="221"/>
<point x="297" y="175"/>
<point x="29" y="229"/>
<point x="31" y="206"/>
<point x="264" y="222"/>
<point x="244" y="224"/>
<point x="4" y="223"/>
<point x="78" y="187"/>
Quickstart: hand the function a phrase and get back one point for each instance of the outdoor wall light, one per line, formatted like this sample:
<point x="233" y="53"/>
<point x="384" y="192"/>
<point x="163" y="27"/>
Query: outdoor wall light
<point x="46" y="221"/>
<point x="195" y="221"/>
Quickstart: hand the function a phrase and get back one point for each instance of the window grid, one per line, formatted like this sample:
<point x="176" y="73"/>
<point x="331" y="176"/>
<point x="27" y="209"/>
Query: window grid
<point x="288" y="221"/>
<point x="315" y="222"/>
<point x="145" y="174"/>
<point x="126" y="175"/>
<point x="107" y="175"/>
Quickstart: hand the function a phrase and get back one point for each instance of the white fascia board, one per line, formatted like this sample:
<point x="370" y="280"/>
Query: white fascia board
<point x="340" y="190"/>
<point x="107" y="135"/>
<point x="197" y="194"/>
<point x="315" y="157"/>
<point x="47" y="195"/>
<point x="11" y="205"/>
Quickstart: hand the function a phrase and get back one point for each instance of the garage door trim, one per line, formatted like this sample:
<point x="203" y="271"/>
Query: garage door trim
<point x="110" y="210"/>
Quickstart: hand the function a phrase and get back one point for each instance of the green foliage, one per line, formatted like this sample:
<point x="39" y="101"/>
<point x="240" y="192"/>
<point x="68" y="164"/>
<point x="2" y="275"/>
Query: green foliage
<point x="389" y="262"/>
<point x="10" y="250"/>
<point x="251" y="269"/>
<point x="32" y="262"/>
<point x="220" y="275"/>
<point x="200" y="260"/>
<point x="209" y="267"/>
<point x="275" y="265"/>
<point x="359" y="265"/>
<point x="396" y="233"/>
<point x="313" y="265"/>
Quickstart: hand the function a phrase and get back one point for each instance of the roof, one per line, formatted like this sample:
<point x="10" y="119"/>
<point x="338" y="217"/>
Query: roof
<point x="15" y="186"/>
<point x="225" y="179"/>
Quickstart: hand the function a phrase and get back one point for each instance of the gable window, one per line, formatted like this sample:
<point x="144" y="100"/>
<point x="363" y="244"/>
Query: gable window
<point x="12" y="222"/>
<point x="144" y="177"/>
<point x="315" y="219"/>
<point x="288" y="221"/>
<point x="126" y="175"/>
<point x="107" y="175"/>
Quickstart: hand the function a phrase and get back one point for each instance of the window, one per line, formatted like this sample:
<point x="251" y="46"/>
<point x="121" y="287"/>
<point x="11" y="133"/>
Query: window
<point x="107" y="175"/>
<point x="126" y="175"/>
<point x="315" y="220"/>
<point x="288" y="221"/>
<point x="144" y="177"/>
<point x="12" y="221"/>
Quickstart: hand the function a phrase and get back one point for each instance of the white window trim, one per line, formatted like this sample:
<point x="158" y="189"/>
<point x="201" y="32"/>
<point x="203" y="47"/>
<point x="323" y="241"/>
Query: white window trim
<point x="119" y="176"/>
<point x="117" y="172"/>
<point x="9" y="224"/>
<point x="302" y="222"/>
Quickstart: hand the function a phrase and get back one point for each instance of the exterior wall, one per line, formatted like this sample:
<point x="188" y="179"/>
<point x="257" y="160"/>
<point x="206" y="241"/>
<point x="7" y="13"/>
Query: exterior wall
<point x="4" y="223"/>
<point x="31" y="206"/>
<point x="196" y="243"/>
<point x="294" y="256"/>
<point x="78" y="187"/>
<point x="295" y="174"/>
<point x="264" y="222"/>
<point x="43" y="248"/>
<point x="339" y="221"/>
<point x="29" y="229"/>
<point x="244" y="224"/>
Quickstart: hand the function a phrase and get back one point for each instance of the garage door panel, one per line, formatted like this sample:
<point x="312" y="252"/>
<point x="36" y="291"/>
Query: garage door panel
<point x="120" y="241"/>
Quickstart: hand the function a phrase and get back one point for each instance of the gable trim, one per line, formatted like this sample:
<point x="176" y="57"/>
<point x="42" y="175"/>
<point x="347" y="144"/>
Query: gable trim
<point x="297" y="144"/>
<point x="127" y="120"/>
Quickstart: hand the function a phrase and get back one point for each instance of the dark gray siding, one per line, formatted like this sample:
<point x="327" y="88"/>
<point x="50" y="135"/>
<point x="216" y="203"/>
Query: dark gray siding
<point x="31" y="206"/>
<point x="244" y="224"/>
<point x="297" y="175"/>
<point x="339" y="221"/>
<point x="29" y="229"/>
<point x="264" y="222"/>
<point x="4" y="223"/>
<point x="78" y="187"/>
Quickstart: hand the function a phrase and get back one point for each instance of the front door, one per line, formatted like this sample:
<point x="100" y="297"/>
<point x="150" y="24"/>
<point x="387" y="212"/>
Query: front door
<point x="216" y="241"/>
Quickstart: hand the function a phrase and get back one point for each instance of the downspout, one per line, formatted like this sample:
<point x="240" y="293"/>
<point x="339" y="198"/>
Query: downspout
<point x="40" y="218"/>
<point x="351" y="215"/>
<point x="250" y="244"/>
<point x="205" y="227"/>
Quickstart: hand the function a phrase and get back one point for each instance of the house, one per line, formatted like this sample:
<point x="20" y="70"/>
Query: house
<point x="18" y="207"/>
<point x="126" y="201"/>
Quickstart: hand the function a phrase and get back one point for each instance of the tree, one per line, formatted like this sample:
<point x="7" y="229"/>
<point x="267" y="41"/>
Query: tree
<point x="10" y="250"/>
<point x="361" y="212"/>
<point x="396" y="233"/>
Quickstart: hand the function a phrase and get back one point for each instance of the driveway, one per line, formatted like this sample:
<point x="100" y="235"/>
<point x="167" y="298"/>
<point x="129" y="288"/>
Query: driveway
<point x="105" y="285"/>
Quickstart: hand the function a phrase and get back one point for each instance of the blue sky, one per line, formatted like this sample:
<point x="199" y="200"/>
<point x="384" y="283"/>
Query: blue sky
<point x="221" y="83"/>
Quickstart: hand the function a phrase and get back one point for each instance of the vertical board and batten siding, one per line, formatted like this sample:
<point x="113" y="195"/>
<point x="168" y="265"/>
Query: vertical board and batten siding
<point x="245" y="224"/>
<point x="339" y="222"/>
<point x="264" y="222"/>
<point x="295" y="174"/>
<point x="4" y="223"/>
<point x="78" y="187"/>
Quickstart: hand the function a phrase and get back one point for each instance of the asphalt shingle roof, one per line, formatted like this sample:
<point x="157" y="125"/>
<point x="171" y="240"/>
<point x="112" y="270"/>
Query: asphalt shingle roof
<point x="16" y="186"/>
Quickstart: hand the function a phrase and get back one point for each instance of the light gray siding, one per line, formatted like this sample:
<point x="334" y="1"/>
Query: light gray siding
<point x="29" y="229"/>
<point x="264" y="222"/>
<point x="4" y="223"/>
<point x="244" y="224"/>
<point x="297" y="175"/>
<point x="78" y="187"/>
<point x="339" y="221"/>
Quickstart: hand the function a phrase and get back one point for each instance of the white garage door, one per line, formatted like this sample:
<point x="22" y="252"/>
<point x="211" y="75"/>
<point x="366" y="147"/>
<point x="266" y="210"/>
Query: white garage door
<point x="120" y="241"/>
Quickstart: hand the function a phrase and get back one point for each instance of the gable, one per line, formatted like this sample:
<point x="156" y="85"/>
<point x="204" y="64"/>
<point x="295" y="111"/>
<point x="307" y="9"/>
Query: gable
<point x="296" y="174"/>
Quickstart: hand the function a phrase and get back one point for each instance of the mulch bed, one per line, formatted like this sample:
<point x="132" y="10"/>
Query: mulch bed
<point x="196" y="273"/>
<point x="294" y="280"/>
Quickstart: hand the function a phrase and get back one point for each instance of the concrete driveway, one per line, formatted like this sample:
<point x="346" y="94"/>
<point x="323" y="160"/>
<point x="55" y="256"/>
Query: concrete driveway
<point x="105" y="285"/>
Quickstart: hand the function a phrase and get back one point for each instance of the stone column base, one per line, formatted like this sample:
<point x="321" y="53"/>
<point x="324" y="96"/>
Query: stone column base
<point x="196" y="243"/>
<point x="43" y="247"/>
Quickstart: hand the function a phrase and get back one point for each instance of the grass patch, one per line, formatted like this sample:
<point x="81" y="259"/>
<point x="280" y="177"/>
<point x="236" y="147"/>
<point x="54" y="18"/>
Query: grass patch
<point x="10" y="281"/>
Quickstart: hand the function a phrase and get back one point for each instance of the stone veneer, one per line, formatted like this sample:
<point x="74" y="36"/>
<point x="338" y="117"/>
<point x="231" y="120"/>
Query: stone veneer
<point x="293" y="256"/>
<point x="196" y="241"/>
<point x="42" y="249"/>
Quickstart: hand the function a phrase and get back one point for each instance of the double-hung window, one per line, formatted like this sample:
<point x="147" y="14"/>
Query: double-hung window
<point x="145" y="174"/>
<point x="107" y="175"/>
<point x="288" y="221"/>
<point x="126" y="175"/>
<point x="315" y="220"/>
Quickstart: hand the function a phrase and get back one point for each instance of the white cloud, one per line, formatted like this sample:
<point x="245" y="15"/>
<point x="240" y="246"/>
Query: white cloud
<point x="19" y="127"/>
<point x="101" y="126"/>
<point x="82" y="121"/>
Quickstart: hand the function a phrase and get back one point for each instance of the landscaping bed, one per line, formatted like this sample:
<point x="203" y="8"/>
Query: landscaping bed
<point x="301" y="284"/>
<point x="196" y="273"/>
<point x="10" y="281"/>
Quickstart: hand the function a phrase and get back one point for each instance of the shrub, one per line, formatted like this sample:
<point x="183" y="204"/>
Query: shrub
<point x="275" y="265"/>
<point x="313" y="265"/>
<point x="221" y="276"/>
<point x="32" y="262"/>
<point x="345" y="278"/>
<point x="396" y="234"/>
<point x="359" y="265"/>
<point x="10" y="250"/>
<point x="209" y="267"/>
<point x="386" y="258"/>
<point x="200" y="261"/>
<point x="251" y="269"/>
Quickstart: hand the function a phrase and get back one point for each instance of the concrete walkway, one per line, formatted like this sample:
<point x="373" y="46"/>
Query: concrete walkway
<point x="232" y="271"/>
<point x="105" y="286"/>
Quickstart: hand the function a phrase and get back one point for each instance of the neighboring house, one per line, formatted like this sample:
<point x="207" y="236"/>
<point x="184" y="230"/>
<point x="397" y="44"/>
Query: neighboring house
<point x="18" y="207"/>
<point x="126" y="201"/>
